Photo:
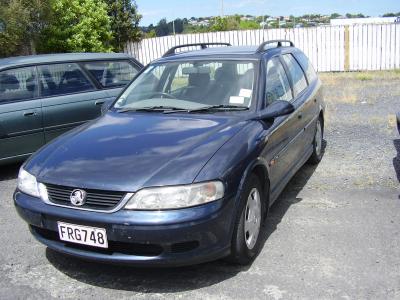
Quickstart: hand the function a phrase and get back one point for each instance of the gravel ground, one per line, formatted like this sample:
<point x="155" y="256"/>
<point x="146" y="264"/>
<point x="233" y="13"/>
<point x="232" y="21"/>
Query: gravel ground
<point x="334" y="233"/>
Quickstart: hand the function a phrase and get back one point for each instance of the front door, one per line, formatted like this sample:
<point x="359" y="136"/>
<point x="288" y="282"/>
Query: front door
<point x="279" y="150"/>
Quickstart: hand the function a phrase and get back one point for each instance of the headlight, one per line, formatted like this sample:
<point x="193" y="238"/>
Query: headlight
<point x="27" y="183"/>
<point x="176" y="196"/>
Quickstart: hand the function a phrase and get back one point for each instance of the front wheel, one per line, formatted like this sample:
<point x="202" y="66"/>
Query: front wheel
<point x="246" y="241"/>
<point x="316" y="156"/>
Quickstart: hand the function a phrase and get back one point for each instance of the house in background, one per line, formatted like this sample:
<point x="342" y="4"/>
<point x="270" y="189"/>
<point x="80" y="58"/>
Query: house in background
<point x="353" y="21"/>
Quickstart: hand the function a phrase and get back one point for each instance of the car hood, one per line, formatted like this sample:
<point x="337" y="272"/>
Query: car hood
<point x="129" y="151"/>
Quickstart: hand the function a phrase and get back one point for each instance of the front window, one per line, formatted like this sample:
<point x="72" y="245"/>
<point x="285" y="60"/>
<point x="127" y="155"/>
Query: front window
<point x="191" y="85"/>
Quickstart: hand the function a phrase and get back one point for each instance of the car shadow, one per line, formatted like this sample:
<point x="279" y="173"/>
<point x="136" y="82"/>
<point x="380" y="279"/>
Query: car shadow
<point x="396" y="160"/>
<point x="169" y="280"/>
<point x="9" y="172"/>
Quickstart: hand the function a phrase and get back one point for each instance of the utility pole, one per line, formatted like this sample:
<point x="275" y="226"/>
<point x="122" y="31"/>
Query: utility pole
<point x="222" y="8"/>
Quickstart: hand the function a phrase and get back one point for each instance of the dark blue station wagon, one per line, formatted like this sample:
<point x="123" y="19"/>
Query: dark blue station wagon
<point x="185" y="164"/>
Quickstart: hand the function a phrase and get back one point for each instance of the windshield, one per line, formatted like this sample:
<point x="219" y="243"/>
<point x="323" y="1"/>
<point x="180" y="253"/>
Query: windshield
<point x="191" y="85"/>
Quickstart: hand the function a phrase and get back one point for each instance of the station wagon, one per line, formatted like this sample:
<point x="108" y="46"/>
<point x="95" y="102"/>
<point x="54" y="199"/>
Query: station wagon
<point x="43" y="96"/>
<point x="185" y="164"/>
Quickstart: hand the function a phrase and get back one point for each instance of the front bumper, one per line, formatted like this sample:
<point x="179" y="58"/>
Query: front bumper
<point x="171" y="238"/>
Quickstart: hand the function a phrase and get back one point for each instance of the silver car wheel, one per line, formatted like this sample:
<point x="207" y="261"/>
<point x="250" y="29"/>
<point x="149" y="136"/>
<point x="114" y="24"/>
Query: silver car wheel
<point x="252" y="221"/>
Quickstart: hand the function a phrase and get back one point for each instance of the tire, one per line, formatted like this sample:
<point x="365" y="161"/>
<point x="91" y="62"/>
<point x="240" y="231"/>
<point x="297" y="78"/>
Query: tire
<point x="317" y="153"/>
<point x="246" y="239"/>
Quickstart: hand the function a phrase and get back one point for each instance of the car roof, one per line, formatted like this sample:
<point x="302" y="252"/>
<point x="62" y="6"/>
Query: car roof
<point x="60" y="57"/>
<point x="230" y="52"/>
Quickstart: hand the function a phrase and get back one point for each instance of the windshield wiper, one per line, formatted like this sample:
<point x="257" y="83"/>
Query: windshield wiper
<point x="172" y="109"/>
<point x="152" y="108"/>
<point x="208" y="108"/>
<point x="219" y="107"/>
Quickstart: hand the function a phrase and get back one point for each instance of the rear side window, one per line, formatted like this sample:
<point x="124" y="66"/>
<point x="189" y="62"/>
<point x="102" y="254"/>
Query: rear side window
<point x="296" y="73"/>
<point x="61" y="79"/>
<point x="307" y="66"/>
<point x="18" y="84"/>
<point x="112" y="73"/>
<point x="277" y="83"/>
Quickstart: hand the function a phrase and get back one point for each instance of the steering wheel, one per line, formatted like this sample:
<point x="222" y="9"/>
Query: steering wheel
<point x="165" y="94"/>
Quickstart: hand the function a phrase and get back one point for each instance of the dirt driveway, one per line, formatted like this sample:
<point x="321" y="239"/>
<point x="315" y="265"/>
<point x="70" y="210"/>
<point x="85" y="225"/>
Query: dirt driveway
<point x="334" y="233"/>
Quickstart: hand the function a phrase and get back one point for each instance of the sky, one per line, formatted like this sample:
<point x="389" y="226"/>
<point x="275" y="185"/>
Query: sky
<point x="154" y="10"/>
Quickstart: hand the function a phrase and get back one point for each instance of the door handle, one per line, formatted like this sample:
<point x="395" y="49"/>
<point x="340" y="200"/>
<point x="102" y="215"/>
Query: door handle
<point x="299" y="116"/>
<point x="29" y="113"/>
<point x="99" y="102"/>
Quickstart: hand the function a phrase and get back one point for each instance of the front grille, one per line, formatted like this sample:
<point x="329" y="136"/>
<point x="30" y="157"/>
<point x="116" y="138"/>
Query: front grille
<point x="95" y="199"/>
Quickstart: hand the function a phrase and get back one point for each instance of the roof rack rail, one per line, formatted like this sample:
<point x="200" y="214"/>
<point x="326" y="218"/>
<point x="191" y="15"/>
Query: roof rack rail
<point x="171" y="51"/>
<point x="261" y="48"/>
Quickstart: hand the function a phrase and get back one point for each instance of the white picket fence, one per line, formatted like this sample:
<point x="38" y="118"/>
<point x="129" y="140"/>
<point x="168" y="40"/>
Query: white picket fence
<point x="330" y="48"/>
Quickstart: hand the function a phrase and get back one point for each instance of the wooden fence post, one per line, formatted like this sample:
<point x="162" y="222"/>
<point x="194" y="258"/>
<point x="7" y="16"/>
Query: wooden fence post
<point x="346" y="48"/>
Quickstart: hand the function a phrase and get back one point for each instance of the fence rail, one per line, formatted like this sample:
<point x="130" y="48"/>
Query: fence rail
<point x="330" y="48"/>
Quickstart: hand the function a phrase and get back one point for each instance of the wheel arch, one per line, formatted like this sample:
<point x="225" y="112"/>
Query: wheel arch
<point x="321" y="117"/>
<point x="260" y="169"/>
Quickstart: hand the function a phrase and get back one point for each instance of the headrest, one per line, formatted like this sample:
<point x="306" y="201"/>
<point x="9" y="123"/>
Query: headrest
<point x="225" y="73"/>
<point x="30" y="84"/>
<point x="71" y="75"/>
<point x="8" y="82"/>
<point x="199" y="79"/>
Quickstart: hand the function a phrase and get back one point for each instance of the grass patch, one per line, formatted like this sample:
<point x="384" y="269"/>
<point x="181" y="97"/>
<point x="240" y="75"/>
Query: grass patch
<point x="364" y="76"/>
<point x="334" y="77"/>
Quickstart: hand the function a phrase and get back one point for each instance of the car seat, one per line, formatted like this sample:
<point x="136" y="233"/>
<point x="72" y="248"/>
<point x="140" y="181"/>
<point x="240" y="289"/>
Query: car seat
<point x="225" y="81"/>
<point x="197" y="84"/>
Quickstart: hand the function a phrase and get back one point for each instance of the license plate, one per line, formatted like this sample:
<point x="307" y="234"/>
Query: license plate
<point x="85" y="235"/>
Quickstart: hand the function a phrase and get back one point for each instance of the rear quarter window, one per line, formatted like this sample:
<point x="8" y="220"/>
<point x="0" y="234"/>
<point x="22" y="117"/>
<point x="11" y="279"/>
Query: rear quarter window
<point x="112" y="73"/>
<point x="296" y="73"/>
<point x="307" y="66"/>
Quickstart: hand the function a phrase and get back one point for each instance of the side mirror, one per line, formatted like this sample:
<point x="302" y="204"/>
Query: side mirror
<point x="276" y="109"/>
<point x="105" y="106"/>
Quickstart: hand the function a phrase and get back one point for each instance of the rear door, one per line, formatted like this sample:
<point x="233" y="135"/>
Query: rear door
<point x="112" y="75"/>
<point x="312" y="93"/>
<point x="306" y="107"/>
<point x="69" y="97"/>
<point x="21" y="130"/>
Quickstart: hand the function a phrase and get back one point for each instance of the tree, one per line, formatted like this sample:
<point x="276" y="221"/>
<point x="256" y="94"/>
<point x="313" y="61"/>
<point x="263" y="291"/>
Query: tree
<point x="389" y="15"/>
<point x="178" y="26"/>
<point x="39" y="12"/>
<point x="350" y="16"/>
<point x="392" y="15"/>
<point x="78" y="26"/>
<point x="219" y="24"/>
<point x="24" y="22"/>
<point x="335" y="16"/>
<point x="151" y="34"/>
<point x="124" y="22"/>
<point x="162" y="28"/>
